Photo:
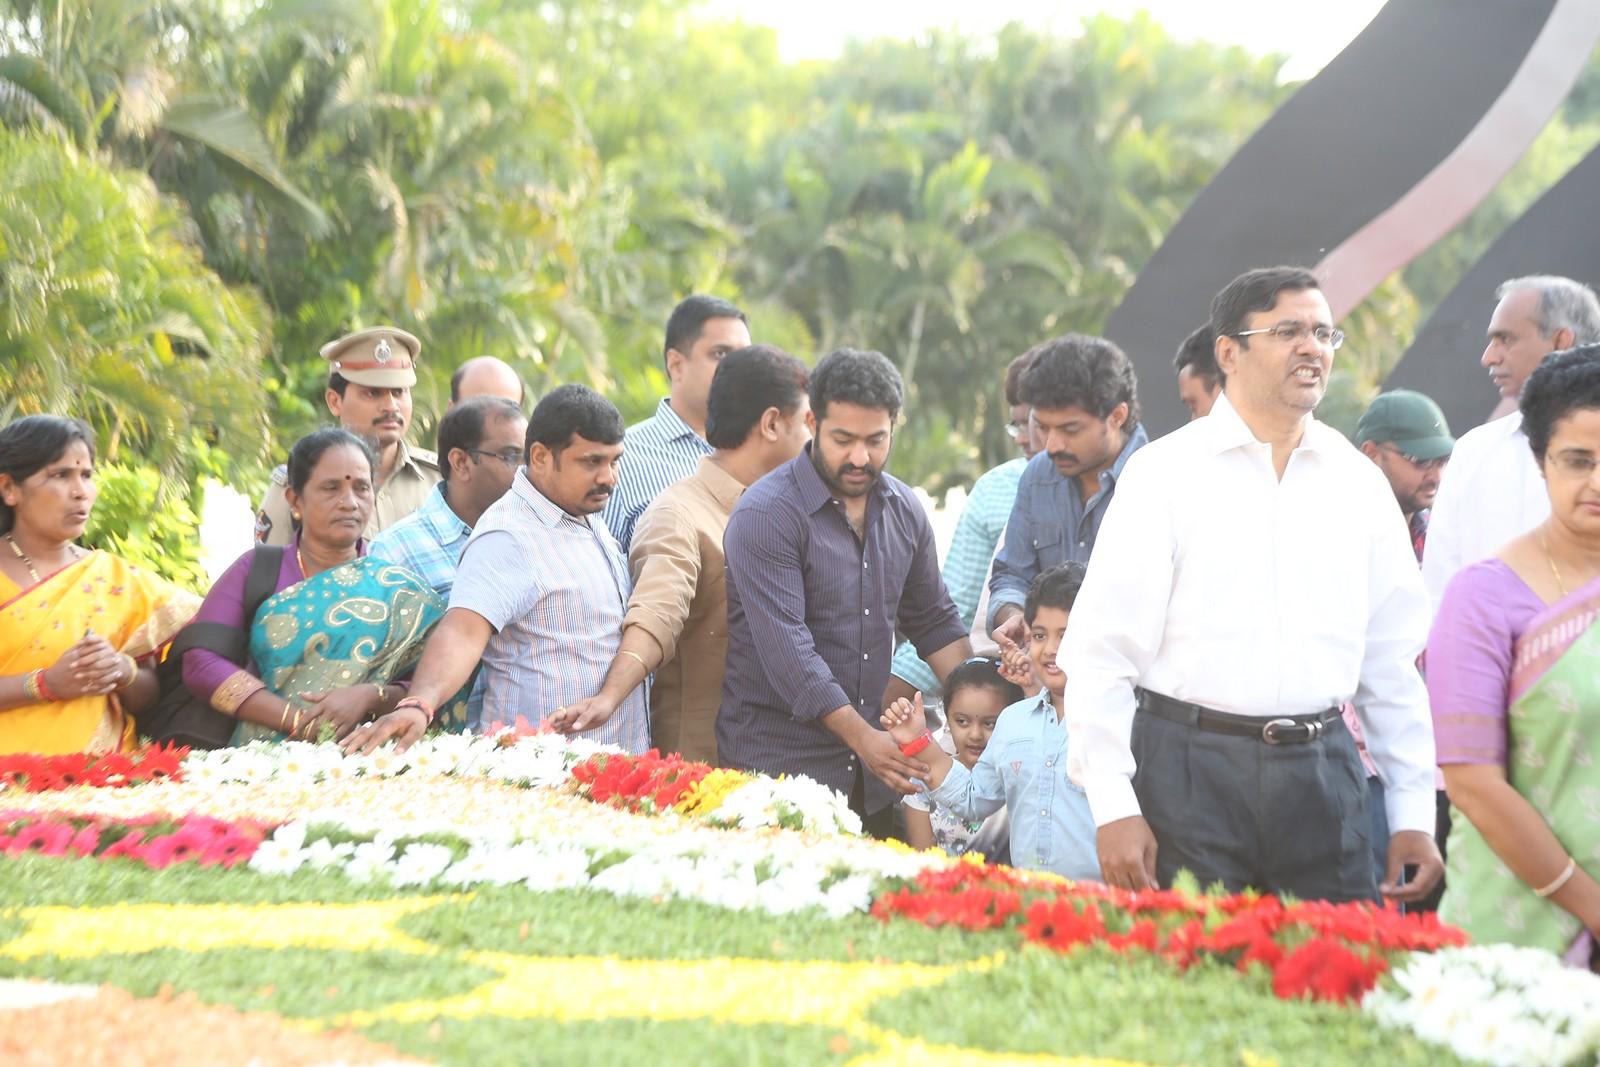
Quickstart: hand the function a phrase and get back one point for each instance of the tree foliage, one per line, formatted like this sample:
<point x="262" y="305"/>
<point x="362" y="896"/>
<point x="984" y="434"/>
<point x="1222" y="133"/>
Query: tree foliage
<point x="196" y="195"/>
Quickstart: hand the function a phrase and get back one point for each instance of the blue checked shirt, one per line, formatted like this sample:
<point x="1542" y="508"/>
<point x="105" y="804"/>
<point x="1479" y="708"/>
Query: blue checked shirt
<point x="428" y="542"/>
<point x="555" y="588"/>
<point x="657" y="452"/>
<point x="972" y="548"/>
<point x="1051" y="524"/>
<point x="1024" y="770"/>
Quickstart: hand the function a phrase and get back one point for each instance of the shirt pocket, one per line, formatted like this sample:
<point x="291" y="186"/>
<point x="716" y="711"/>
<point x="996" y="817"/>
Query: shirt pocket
<point x="1019" y="766"/>
<point x="1046" y="539"/>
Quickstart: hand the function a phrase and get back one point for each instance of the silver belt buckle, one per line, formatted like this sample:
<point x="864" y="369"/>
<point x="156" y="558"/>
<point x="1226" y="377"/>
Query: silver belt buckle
<point x="1266" y="731"/>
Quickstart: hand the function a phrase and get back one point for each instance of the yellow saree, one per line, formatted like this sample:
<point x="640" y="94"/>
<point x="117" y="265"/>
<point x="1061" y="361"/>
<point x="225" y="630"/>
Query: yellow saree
<point x="135" y="611"/>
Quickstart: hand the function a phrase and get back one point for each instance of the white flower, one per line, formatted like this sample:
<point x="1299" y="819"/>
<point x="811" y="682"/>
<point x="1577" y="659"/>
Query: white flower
<point x="422" y="862"/>
<point x="370" y="860"/>
<point x="322" y="854"/>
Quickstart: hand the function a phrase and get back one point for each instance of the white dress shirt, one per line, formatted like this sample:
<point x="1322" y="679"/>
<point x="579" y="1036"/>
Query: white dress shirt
<point x="1491" y="492"/>
<point x="1215" y="582"/>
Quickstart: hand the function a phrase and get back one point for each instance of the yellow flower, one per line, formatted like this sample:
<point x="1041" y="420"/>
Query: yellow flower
<point x="708" y="793"/>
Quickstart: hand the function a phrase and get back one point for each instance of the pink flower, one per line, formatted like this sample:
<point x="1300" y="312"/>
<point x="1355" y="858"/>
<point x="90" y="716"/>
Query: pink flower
<point x="129" y="846"/>
<point x="85" y="841"/>
<point x="45" y="838"/>
<point x="229" y="851"/>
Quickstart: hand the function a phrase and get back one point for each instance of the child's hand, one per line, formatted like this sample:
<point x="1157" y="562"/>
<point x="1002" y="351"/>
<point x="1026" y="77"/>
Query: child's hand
<point x="1016" y="668"/>
<point x="905" y="720"/>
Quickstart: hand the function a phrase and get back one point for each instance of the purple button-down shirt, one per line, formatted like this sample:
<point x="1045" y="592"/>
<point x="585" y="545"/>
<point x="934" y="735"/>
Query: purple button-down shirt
<point x="812" y="611"/>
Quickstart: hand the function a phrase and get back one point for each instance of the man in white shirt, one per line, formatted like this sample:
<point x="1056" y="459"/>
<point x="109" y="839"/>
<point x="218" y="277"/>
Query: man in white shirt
<point x="1252" y="575"/>
<point x="1493" y="490"/>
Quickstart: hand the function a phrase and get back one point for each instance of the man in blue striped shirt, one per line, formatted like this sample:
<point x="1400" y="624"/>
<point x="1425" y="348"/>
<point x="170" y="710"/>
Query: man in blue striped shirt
<point x="667" y="447"/>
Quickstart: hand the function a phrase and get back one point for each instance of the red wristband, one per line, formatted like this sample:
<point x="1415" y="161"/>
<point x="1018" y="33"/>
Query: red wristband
<point x="911" y="748"/>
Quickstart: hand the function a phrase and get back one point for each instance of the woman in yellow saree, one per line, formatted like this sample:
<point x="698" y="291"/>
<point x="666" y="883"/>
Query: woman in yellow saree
<point x="79" y="630"/>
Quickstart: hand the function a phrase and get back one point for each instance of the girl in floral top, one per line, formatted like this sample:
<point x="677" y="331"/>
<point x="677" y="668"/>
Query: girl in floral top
<point x="974" y="695"/>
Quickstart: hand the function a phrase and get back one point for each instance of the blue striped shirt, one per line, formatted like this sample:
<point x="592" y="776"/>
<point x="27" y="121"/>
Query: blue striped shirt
<point x="657" y="452"/>
<point x="972" y="548"/>
<point x="555" y="588"/>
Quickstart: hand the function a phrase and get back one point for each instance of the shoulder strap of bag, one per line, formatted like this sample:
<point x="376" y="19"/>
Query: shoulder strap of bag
<point x="232" y="642"/>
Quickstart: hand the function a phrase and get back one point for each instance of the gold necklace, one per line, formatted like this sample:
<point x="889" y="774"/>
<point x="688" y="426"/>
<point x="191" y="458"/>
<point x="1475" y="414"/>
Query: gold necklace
<point x="301" y="562"/>
<point x="16" y="550"/>
<point x="1544" y="541"/>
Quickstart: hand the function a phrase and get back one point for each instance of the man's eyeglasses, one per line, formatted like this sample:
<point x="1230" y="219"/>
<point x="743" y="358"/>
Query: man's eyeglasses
<point x="1420" y="464"/>
<point x="1574" y="464"/>
<point x="1291" y="332"/>
<point x="1017" y="431"/>
<point x="511" y="457"/>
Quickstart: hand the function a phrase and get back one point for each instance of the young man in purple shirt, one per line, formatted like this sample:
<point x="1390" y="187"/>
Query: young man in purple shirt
<point x="826" y="556"/>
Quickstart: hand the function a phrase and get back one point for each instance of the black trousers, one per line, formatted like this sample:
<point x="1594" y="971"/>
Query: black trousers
<point x="1288" y="818"/>
<point x="880" y="824"/>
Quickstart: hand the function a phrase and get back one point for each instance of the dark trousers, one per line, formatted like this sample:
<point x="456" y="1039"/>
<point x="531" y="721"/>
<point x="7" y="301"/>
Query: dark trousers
<point x="1288" y="818"/>
<point x="879" y="824"/>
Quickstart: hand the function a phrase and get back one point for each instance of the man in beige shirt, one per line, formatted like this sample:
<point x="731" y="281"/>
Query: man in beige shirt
<point x="757" y="418"/>
<point x="370" y="375"/>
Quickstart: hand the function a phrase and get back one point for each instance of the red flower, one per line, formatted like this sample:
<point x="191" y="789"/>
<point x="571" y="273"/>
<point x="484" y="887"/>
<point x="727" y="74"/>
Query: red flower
<point x="130" y="846"/>
<point x="1059" y="925"/>
<point x="164" y="851"/>
<point x="1143" y="935"/>
<point x="1324" y="969"/>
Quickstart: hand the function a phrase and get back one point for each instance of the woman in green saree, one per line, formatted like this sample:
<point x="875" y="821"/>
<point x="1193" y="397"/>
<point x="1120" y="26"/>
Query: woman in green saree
<point x="1514" y="681"/>
<point x="330" y="648"/>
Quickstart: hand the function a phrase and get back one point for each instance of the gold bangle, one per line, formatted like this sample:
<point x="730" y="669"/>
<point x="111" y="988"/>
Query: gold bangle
<point x="635" y="655"/>
<point x="383" y="692"/>
<point x="1560" y="880"/>
<point x="30" y="687"/>
<point x="133" y="670"/>
<point x="296" y="727"/>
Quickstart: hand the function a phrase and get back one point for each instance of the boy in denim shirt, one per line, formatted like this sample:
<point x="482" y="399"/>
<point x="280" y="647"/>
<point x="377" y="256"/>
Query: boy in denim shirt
<point x="1024" y="767"/>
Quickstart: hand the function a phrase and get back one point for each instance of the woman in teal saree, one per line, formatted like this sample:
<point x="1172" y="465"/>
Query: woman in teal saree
<point x="1514" y="680"/>
<point x="331" y="647"/>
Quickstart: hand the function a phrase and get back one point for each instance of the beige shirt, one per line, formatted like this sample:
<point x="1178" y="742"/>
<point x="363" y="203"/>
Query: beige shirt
<point x="416" y="472"/>
<point x="680" y="598"/>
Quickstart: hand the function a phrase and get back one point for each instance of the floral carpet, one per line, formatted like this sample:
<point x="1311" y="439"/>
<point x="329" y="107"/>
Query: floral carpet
<point x="523" y="899"/>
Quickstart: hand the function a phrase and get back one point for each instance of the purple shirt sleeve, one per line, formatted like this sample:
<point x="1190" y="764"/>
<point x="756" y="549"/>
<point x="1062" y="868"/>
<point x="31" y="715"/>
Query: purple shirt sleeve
<point x="764" y="543"/>
<point x="204" y="670"/>
<point x="1485" y="608"/>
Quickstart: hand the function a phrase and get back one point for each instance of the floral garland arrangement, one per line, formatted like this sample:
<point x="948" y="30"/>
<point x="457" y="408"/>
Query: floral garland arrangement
<point x="1495" y="1004"/>
<point x="41" y="774"/>
<point x="1328" y="952"/>
<point x="543" y="814"/>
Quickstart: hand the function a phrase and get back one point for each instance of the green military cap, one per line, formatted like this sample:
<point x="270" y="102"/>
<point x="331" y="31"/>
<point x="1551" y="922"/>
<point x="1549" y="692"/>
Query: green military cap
<point x="1410" y="422"/>
<point x="383" y="357"/>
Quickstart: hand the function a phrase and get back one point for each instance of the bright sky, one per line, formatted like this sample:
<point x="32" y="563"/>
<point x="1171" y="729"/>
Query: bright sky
<point x="1310" y="34"/>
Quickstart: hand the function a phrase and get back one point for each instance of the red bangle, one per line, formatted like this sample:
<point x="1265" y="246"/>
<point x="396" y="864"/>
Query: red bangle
<point x="419" y="704"/>
<point x="43" y="689"/>
<point x="911" y="748"/>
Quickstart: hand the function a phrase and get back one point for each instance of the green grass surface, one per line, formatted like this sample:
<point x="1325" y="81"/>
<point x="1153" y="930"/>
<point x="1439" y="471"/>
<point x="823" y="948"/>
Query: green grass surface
<point x="1090" y="1003"/>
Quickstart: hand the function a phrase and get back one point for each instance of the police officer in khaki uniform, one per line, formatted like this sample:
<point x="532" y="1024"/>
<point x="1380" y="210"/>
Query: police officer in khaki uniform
<point x="370" y="376"/>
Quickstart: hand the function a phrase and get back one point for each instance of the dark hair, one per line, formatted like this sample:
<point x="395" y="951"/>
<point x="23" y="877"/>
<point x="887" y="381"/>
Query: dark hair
<point x="747" y="383"/>
<point x="338" y="382"/>
<point x="569" y="410"/>
<point x="32" y="443"/>
<point x="1255" y="290"/>
<point x="309" y="449"/>
<point x="866" y="379"/>
<point x="1055" y="588"/>
<point x="689" y="318"/>
<point x="1565" y="382"/>
<point x="462" y="426"/>
<point x="979" y="672"/>
<point x="1013" y="378"/>
<point x="1076" y="370"/>
<point x="1199" y="353"/>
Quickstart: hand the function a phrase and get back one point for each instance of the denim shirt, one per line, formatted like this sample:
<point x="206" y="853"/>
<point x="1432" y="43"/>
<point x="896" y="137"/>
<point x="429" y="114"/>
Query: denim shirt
<point x="1051" y="524"/>
<point x="1024" y="769"/>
